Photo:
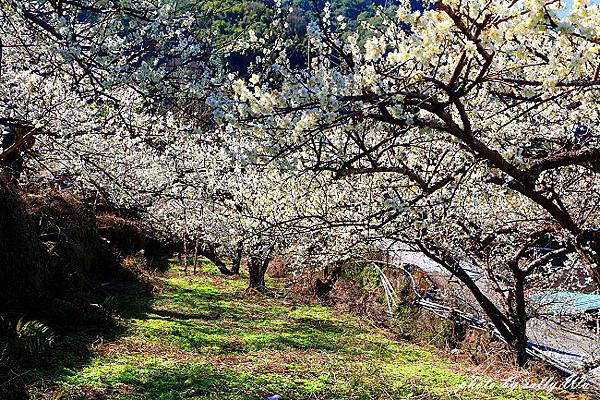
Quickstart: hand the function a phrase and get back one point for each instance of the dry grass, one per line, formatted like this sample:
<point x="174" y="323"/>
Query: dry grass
<point x="136" y="265"/>
<point x="278" y="267"/>
<point x="484" y="355"/>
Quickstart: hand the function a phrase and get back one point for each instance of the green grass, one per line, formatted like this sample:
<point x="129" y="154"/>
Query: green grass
<point x="205" y="337"/>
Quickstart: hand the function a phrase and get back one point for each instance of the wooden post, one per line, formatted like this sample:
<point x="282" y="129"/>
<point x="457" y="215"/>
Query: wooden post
<point x="185" y="255"/>
<point x="196" y="255"/>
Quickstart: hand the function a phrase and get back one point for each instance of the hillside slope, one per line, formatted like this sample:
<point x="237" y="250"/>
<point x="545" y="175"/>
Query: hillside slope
<point x="205" y="337"/>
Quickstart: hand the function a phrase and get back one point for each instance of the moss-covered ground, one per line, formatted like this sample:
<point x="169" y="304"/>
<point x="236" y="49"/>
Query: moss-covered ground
<point x="206" y="337"/>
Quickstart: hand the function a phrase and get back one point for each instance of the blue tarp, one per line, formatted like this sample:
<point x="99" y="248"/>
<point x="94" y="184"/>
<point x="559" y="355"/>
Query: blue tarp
<point x="563" y="303"/>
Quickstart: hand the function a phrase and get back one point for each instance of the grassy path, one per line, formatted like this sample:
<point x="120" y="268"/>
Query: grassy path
<point x="205" y="338"/>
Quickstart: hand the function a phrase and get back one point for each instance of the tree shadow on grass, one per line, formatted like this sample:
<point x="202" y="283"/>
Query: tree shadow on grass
<point x="224" y="332"/>
<point x="160" y="379"/>
<point x="201" y="319"/>
<point x="175" y="315"/>
<point x="166" y="380"/>
<point x="78" y="334"/>
<point x="226" y="322"/>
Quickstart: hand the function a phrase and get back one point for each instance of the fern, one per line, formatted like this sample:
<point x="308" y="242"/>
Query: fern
<point x="30" y="337"/>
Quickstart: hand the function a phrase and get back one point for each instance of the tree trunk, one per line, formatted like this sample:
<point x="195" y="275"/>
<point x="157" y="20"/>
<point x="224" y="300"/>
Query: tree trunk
<point x="496" y="316"/>
<point x="211" y="254"/>
<point x="331" y="273"/>
<point x="520" y="324"/>
<point x="185" y="256"/>
<point x="237" y="260"/>
<point x="11" y="159"/>
<point x="257" y="269"/>
<point x="513" y="330"/>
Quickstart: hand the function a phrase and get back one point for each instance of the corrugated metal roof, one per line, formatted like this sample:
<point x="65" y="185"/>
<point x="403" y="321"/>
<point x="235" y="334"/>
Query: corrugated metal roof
<point x="563" y="303"/>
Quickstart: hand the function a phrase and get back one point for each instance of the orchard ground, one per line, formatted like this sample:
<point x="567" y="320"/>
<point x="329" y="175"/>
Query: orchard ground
<point x="207" y="337"/>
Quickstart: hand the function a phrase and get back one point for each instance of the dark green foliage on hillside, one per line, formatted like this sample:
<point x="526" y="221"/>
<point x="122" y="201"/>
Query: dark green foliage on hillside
<point x="234" y="18"/>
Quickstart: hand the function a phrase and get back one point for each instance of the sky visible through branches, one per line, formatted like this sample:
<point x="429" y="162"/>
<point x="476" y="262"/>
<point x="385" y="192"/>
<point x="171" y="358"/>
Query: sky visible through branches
<point x="569" y="4"/>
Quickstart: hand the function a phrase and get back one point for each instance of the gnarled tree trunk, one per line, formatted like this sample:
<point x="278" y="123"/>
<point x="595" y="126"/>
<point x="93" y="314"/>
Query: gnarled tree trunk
<point x="257" y="268"/>
<point x="519" y="344"/>
<point x="211" y="253"/>
<point x="237" y="260"/>
<point x="331" y="273"/>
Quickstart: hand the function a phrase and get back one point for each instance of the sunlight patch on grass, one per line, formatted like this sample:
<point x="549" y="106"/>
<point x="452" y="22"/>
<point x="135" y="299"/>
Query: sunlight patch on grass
<point x="212" y="341"/>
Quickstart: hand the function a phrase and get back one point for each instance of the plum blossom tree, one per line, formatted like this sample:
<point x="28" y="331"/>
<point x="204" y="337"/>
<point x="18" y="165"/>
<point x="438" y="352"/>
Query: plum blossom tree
<point x="474" y="119"/>
<point x="74" y="68"/>
<point x="105" y="89"/>
<point x="464" y="131"/>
